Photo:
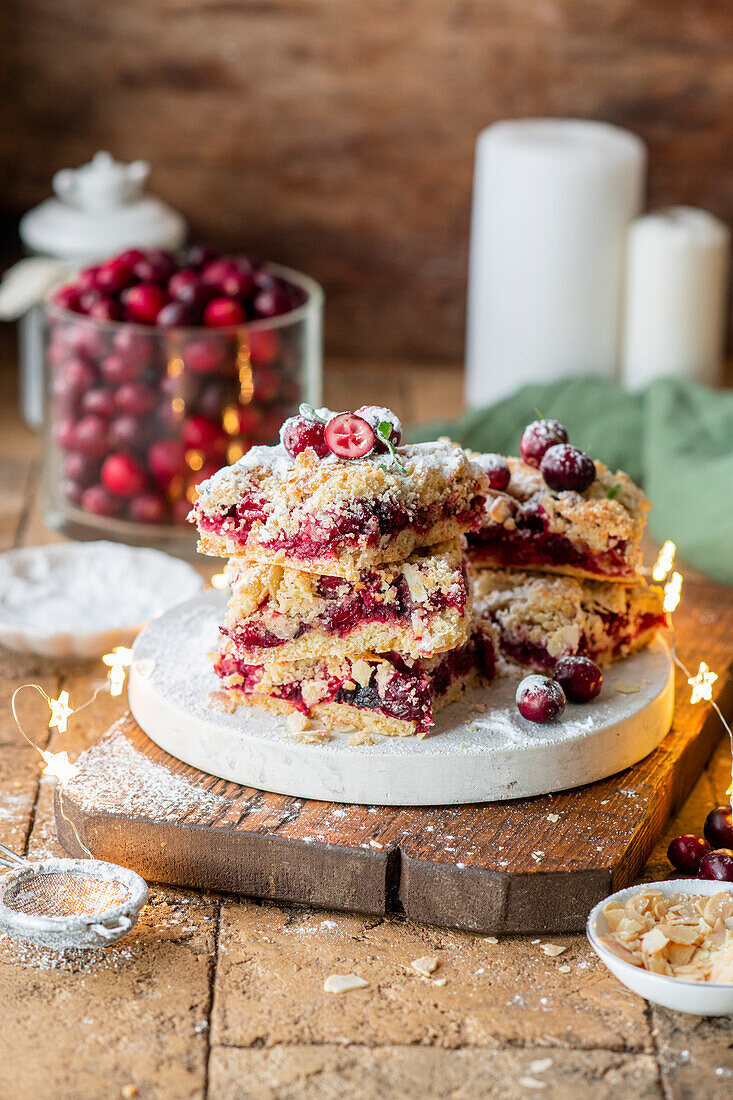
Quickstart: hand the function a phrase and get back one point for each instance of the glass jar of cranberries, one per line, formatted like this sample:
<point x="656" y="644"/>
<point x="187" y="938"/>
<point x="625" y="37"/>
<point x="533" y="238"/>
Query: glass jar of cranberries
<point x="158" y="372"/>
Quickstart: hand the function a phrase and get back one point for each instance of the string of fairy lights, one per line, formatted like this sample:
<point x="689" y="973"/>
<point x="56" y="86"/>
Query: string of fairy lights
<point x="118" y="661"/>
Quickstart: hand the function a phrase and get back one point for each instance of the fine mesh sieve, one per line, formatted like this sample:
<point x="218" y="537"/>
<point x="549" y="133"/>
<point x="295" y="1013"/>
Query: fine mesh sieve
<point x="68" y="902"/>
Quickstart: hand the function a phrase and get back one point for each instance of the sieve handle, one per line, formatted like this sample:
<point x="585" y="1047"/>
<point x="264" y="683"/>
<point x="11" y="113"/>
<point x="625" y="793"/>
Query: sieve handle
<point x="9" y="858"/>
<point x="112" y="931"/>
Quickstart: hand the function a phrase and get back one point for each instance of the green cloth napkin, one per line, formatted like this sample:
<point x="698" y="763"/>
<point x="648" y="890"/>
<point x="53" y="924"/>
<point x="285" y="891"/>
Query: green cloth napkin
<point x="675" y="438"/>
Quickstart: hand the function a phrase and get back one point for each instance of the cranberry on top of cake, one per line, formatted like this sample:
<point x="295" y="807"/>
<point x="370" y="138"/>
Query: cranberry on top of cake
<point x="558" y="510"/>
<point x="339" y="495"/>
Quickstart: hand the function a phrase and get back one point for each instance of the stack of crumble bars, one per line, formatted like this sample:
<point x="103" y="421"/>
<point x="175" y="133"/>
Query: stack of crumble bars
<point x="350" y="604"/>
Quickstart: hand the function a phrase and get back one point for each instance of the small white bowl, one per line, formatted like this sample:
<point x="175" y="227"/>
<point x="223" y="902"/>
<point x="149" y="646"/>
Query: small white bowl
<point x="696" y="998"/>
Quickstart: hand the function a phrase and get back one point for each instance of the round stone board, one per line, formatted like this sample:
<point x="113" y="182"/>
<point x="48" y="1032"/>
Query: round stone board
<point x="480" y="749"/>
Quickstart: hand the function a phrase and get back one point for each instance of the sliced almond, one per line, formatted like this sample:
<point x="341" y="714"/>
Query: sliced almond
<point x="343" y="983"/>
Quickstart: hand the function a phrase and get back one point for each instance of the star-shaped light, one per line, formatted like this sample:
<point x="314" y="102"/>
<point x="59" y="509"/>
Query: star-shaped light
<point x="60" y="712"/>
<point x="702" y="684"/>
<point x="664" y="562"/>
<point x="672" y="592"/>
<point x="117" y="661"/>
<point x="59" y="765"/>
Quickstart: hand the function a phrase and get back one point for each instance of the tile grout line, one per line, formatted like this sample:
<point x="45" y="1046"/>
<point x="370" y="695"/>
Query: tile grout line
<point x="210" y="1005"/>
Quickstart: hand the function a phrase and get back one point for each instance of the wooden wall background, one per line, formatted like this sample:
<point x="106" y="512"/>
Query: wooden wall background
<point x="337" y="135"/>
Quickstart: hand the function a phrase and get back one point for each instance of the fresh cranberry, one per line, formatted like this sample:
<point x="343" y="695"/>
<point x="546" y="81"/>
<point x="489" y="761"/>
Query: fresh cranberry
<point x="717" y="865"/>
<point x="155" y="266"/>
<point x="539" y="699"/>
<point x="177" y="315"/>
<point x="199" y="255"/>
<point x="64" y="431"/>
<point x="113" y="275"/>
<point x="85" y="339"/>
<point x="237" y="284"/>
<point x="67" y="297"/>
<point x="88" y="299"/>
<point x="98" y="500"/>
<point x="685" y="853"/>
<point x="122" y="475"/>
<point x="127" y="433"/>
<point x="206" y="355"/>
<point x="148" y="508"/>
<point x="719" y="827"/>
<point x="166" y="459"/>
<point x="118" y="369"/>
<point x="376" y="415"/>
<point x="131" y="256"/>
<point x="90" y="435"/>
<point x="264" y="347"/>
<point x="248" y="265"/>
<point x="77" y="375"/>
<point x="265" y="384"/>
<point x="144" y="302"/>
<point x="135" y="398"/>
<point x="215" y="272"/>
<point x="565" y="468"/>
<point x="349" y="436"/>
<point x="224" y="312"/>
<point x="135" y="347"/>
<point x="202" y="434"/>
<point x="272" y="302"/>
<point x="299" y="432"/>
<point x="71" y="491"/>
<point x="99" y="401"/>
<point x="250" y="420"/>
<point x="86" y="280"/>
<point x="83" y="469"/>
<point x="580" y="678"/>
<point x="105" y="309"/>
<point x="187" y="286"/>
<point x="57" y="350"/>
<point x="498" y="471"/>
<point x="538" y="437"/>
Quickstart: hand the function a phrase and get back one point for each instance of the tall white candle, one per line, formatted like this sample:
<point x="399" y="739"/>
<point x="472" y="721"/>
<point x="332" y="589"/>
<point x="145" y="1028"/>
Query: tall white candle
<point x="676" y="292"/>
<point x="553" y="199"/>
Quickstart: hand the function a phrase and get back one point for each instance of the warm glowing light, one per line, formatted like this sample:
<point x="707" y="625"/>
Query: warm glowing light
<point x="117" y="661"/>
<point x="702" y="684"/>
<point x="60" y="712"/>
<point x="234" y="452"/>
<point x="194" y="459"/>
<point x="244" y="369"/>
<point x="672" y="592"/>
<point x="179" y="406"/>
<point x="230" y="420"/>
<point x="665" y="560"/>
<point x="175" y="367"/>
<point x="59" y="765"/>
<point x="219" y="580"/>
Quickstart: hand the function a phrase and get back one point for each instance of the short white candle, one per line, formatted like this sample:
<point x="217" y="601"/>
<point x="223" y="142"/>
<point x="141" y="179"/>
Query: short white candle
<point x="676" y="291"/>
<point x="553" y="199"/>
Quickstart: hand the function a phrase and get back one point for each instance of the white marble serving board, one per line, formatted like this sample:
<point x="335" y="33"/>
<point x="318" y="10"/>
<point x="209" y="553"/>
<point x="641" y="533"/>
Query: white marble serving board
<point x="480" y="750"/>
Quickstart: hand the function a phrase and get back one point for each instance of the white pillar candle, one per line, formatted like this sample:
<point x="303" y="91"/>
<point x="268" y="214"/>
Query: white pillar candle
<point x="676" y="291"/>
<point x="553" y="199"/>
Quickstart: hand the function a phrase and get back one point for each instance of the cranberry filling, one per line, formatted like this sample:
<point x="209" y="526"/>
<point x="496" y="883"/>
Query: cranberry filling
<point x="527" y="546"/>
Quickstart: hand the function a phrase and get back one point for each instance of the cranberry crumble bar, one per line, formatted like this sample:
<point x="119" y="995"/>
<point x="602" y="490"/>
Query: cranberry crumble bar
<point x="594" y="533"/>
<point x="417" y="608"/>
<point x="533" y="619"/>
<point x="337" y="516"/>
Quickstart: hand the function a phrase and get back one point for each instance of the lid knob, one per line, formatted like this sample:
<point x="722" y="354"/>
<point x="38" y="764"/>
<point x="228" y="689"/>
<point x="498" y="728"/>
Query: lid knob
<point x="102" y="184"/>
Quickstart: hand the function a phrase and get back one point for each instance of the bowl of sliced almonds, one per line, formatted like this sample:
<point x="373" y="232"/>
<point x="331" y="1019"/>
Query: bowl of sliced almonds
<point x="671" y="942"/>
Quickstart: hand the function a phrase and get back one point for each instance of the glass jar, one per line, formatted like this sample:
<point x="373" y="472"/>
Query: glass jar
<point x="137" y="416"/>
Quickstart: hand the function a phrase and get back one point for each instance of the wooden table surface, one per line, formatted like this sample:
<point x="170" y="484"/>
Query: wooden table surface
<point x="222" y="998"/>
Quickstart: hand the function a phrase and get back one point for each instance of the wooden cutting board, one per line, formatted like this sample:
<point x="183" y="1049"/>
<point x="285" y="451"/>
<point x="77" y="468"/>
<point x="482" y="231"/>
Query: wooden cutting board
<point x="532" y="865"/>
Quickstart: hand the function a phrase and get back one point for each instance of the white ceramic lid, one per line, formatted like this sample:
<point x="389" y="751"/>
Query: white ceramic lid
<point x="100" y="209"/>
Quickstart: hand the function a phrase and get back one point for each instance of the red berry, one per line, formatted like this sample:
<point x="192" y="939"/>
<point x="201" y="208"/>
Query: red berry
<point x="349" y="436"/>
<point x="130" y="256"/>
<point x="86" y="280"/>
<point x="144" y="302"/>
<point x="99" y="401"/>
<point x="135" y="347"/>
<point x="202" y="434"/>
<point x="206" y="355"/>
<point x="177" y="315"/>
<point x="105" y="309"/>
<point x="187" y="286"/>
<point x="90" y="436"/>
<point x="64" y="431"/>
<point x="719" y="827"/>
<point x="237" y="284"/>
<point x="67" y="297"/>
<point x="265" y="384"/>
<point x="539" y="699"/>
<point x="685" y="852"/>
<point x="96" y="499"/>
<point x="77" y="375"/>
<point x="118" y="369"/>
<point x="565" y="468"/>
<point x="272" y="302"/>
<point x="82" y="469"/>
<point x="717" y="865"/>
<point x="498" y="470"/>
<point x="148" y="508"/>
<point x="224" y="312"/>
<point x="538" y="437"/>
<point x="199" y="255"/>
<point x="376" y="415"/>
<point x="215" y="272"/>
<point x="264" y="347"/>
<point x="135" y="398"/>
<point x="122" y="475"/>
<point x="127" y="433"/>
<point x="113" y="275"/>
<point x="580" y="678"/>
<point x="166" y="458"/>
<point x="71" y="491"/>
<point x="299" y="432"/>
<point x="155" y="266"/>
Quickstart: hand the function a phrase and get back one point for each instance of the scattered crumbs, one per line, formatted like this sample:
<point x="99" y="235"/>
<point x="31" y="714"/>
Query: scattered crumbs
<point x="552" y="949"/>
<point x="362" y="737"/>
<point x="534" y="941"/>
<point x="297" y="722"/>
<point x="565" y="969"/>
<point x="310" y="737"/>
<point x="626" y="689"/>
<point x="655" y="1033"/>
<point x="605" y="801"/>
<point x="553" y="818"/>
<point x="532" y="1083"/>
<point x="439" y="981"/>
<point x="343" y="983"/>
<point x="222" y="700"/>
<point x="538" y="855"/>
<point x="372" y="810"/>
<point x="539" y="1065"/>
<point x="425" y="965"/>
<point x="128" y="1091"/>
<point x="375" y="843"/>
<point x="490" y="939"/>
